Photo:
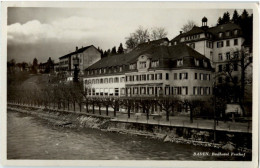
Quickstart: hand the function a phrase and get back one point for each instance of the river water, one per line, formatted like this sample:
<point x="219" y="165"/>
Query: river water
<point x="29" y="137"/>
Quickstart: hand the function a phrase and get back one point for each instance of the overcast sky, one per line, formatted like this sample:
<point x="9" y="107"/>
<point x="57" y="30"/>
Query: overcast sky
<point x="53" y="32"/>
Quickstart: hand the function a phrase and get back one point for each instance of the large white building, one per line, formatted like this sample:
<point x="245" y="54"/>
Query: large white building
<point x="221" y="44"/>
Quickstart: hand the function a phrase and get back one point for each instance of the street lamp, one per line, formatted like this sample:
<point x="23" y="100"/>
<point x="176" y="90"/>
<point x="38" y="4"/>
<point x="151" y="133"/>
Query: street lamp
<point x="76" y="70"/>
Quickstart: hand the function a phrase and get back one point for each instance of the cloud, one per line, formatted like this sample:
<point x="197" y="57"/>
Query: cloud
<point x="66" y="29"/>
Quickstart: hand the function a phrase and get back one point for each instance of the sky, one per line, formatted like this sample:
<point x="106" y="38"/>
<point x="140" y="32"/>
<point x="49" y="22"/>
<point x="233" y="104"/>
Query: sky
<point x="43" y="32"/>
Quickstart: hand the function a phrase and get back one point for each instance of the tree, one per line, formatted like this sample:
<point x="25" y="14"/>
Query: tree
<point x="120" y="49"/>
<point x="35" y="65"/>
<point x="158" y="33"/>
<point x="188" y="26"/>
<point x="243" y="60"/>
<point x="141" y="35"/>
<point x="131" y="42"/>
<point x="235" y="17"/>
<point x="226" y="18"/>
<point x="167" y="104"/>
<point x="113" y="51"/>
<point x="129" y="104"/>
<point x="192" y="104"/>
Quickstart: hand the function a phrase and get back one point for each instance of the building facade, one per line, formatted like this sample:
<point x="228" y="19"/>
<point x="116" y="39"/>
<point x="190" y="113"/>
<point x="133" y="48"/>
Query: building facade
<point x="222" y="44"/>
<point x="86" y="55"/>
<point x="156" y="70"/>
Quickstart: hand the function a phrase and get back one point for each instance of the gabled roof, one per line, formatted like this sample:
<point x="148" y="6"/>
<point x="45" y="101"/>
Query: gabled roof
<point x="204" y="29"/>
<point x="154" y="52"/>
<point x="80" y="50"/>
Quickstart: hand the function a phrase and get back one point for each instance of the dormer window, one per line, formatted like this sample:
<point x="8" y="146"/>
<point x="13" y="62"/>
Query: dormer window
<point x="132" y="66"/>
<point x="179" y="62"/>
<point x="115" y="68"/>
<point x="120" y="68"/>
<point x="235" y="32"/>
<point x="197" y="62"/>
<point x="155" y="64"/>
<point x="220" y="35"/>
<point x="100" y="71"/>
<point x="205" y="64"/>
<point x="105" y="70"/>
<point x="142" y="64"/>
<point x="227" y="33"/>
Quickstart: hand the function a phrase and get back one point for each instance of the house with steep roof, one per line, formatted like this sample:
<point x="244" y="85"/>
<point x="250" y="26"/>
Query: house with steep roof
<point x="150" y="71"/>
<point x="87" y="56"/>
<point x="220" y="44"/>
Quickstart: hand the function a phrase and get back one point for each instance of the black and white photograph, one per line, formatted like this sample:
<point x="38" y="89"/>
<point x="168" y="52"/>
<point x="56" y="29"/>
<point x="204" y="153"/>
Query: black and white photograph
<point x="130" y="81"/>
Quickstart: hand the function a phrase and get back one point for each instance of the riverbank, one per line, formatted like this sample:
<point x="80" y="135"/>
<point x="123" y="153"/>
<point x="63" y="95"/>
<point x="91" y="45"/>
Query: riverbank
<point x="230" y="141"/>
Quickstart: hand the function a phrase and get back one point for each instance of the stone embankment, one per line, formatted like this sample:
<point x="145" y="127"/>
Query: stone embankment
<point x="241" y="142"/>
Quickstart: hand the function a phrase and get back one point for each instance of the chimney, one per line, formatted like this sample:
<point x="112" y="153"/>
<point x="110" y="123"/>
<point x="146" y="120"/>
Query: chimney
<point x="76" y="48"/>
<point x="180" y="32"/>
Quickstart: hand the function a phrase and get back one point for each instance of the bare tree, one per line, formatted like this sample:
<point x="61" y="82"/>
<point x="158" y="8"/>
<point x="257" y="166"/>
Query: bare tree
<point x="242" y="59"/>
<point x="158" y="33"/>
<point x="129" y="104"/>
<point x="192" y="104"/>
<point x="188" y="26"/>
<point x="168" y="104"/>
<point x="140" y="35"/>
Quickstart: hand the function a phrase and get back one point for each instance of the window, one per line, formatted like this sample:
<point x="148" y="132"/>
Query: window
<point x="132" y="66"/>
<point x="220" y="56"/>
<point x="142" y="65"/>
<point x="184" y="90"/>
<point x="105" y="70"/>
<point x="197" y="62"/>
<point x="201" y="76"/>
<point x="167" y="76"/>
<point x="235" y="55"/>
<point x="175" y="76"/>
<point x="220" y="35"/>
<point x="227" y="68"/>
<point x="235" y="32"/>
<point x="159" y="76"/>
<point x="93" y="91"/>
<point x="235" y="42"/>
<point x="228" y="56"/>
<point x="122" y="79"/>
<point x="180" y="75"/>
<point x="184" y="75"/>
<point x="219" y="68"/>
<point x="144" y="77"/>
<point x="152" y="76"/>
<point x="195" y="90"/>
<point x="97" y="81"/>
<point x="110" y="80"/>
<point x="205" y="64"/>
<point x="179" y="62"/>
<point x="116" y="91"/>
<point x="111" y="92"/>
<point x="120" y="68"/>
<point x="155" y="64"/>
<point x="227" y="33"/>
<point x="209" y="44"/>
<point x="227" y="43"/>
<point x="93" y="81"/>
<point x="219" y="44"/>
<point x="195" y="76"/>
<point x="116" y="80"/>
<point x="101" y="80"/>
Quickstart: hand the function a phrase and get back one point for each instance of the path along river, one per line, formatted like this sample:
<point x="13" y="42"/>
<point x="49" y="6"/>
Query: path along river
<point x="29" y="137"/>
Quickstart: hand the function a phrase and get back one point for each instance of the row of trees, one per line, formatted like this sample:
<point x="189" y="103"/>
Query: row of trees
<point x="113" y="51"/>
<point x="68" y="96"/>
